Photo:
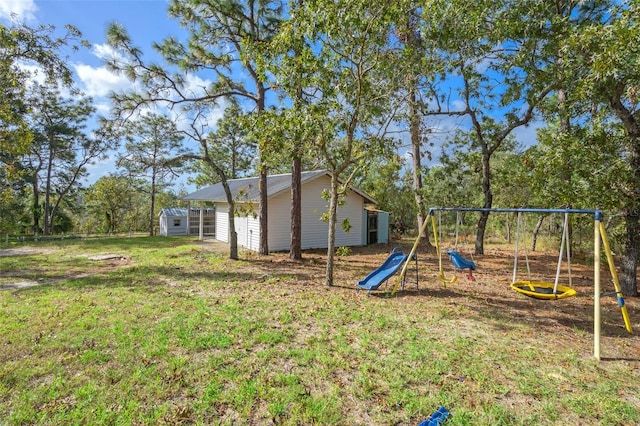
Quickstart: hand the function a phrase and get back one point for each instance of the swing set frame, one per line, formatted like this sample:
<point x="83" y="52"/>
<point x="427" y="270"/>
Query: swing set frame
<point x="599" y="239"/>
<point x="538" y="289"/>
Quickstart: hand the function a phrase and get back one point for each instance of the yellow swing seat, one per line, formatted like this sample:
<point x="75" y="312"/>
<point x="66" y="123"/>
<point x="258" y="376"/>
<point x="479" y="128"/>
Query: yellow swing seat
<point x="542" y="290"/>
<point x="445" y="280"/>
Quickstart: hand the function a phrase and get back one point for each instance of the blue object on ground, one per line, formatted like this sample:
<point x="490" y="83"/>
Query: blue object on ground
<point x="384" y="271"/>
<point x="438" y="416"/>
<point x="459" y="261"/>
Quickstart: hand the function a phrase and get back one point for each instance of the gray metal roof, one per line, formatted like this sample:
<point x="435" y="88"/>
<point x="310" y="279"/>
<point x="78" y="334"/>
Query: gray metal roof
<point x="173" y="211"/>
<point x="178" y="211"/>
<point x="246" y="189"/>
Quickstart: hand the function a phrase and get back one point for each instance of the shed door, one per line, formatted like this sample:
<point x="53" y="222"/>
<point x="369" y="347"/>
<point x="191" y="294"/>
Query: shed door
<point x="372" y="227"/>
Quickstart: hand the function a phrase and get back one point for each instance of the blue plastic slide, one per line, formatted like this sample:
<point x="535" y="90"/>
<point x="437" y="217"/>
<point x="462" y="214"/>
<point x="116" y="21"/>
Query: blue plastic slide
<point x="384" y="271"/>
<point x="459" y="261"/>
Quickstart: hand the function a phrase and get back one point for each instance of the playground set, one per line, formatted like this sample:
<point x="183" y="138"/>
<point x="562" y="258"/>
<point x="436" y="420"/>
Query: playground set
<point x="405" y="263"/>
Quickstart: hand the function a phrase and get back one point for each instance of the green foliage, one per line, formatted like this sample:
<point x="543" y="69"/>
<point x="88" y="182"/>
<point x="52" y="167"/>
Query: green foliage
<point x="216" y="49"/>
<point x="391" y="187"/>
<point x="153" y="148"/>
<point x="14" y="215"/>
<point x="231" y="146"/>
<point x="21" y="44"/>
<point x="109" y="203"/>
<point x="153" y="156"/>
<point x="343" y="251"/>
<point x="60" y="152"/>
<point x="335" y="62"/>
<point x="604" y="98"/>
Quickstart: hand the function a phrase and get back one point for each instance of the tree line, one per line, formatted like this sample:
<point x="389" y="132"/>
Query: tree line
<point x="317" y="83"/>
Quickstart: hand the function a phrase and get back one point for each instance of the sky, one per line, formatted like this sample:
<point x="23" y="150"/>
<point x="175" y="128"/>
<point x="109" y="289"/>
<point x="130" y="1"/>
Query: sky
<point x="145" y="20"/>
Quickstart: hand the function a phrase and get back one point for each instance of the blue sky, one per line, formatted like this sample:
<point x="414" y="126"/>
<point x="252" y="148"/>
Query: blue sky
<point x="145" y="20"/>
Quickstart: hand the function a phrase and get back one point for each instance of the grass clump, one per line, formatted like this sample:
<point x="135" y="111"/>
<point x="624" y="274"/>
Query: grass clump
<point x="173" y="332"/>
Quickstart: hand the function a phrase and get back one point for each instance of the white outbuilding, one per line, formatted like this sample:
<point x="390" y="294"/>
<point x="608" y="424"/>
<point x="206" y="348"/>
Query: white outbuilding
<point x="184" y="221"/>
<point x="367" y="224"/>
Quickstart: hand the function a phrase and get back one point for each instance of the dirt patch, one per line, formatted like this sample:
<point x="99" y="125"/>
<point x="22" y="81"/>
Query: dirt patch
<point x="107" y="262"/>
<point x="20" y="251"/>
<point x="490" y="296"/>
<point x="103" y="257"/>
<point x="19" y="285"/>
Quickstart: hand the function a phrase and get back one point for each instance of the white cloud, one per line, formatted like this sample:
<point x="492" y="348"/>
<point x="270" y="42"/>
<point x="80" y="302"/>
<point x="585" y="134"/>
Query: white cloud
<point x="36" y="73"/>
<point x="196" y="85"/>
<point x="104" y="51"/>
<point x="102" y="108"/>
<point x="23" y="10"/>
<point x="208" y="122"/>
<point x="99" y="82"/>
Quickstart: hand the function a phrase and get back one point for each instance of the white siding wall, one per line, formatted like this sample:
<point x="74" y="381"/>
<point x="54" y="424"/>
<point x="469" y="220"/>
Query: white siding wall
<point x="252" y="240"/>
<point x="352" y="209"/>
<point x="315" y="232"/>
<point x="168" y="225"/>
<point x="247" y="228"/>
<point x="222" y="222"/>
<point x="163" y="225"/>
<point x="241" y="229"/>
<point x="280" y="222"/>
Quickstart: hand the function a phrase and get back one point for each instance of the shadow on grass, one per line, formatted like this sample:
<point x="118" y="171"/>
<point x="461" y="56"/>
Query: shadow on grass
<point x="504" y="309"/>
<point x="149" y="278"/>
<point x="613" y="359"/>
<point x="507" y="310"/>
<point x="112" y="243"/>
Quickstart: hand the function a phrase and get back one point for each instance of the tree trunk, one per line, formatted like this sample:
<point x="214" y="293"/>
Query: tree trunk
<point x="233" y="235"/>
<point x="414" y="130"/>
<point x="47" y="193"/>
<point x="628" y="275"/>
<point x="536" y="231"/>
<point x="295" y="251"/>
<point x="36" y="205"/>
<point x="331" y="242"/>
<point x="263" y="247"/>
<point x="153" y="204"/>
<point x="629" y="263"/>
<point x="488" y="201"/>
<point x="264" y="220"/>
<point x="54" y="210"/>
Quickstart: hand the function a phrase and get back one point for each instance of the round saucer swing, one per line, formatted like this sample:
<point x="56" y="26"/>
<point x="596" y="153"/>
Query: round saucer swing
<point x="540" y="289"/>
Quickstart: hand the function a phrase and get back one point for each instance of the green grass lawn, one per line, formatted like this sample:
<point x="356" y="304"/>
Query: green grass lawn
<point x="174" y="333"/>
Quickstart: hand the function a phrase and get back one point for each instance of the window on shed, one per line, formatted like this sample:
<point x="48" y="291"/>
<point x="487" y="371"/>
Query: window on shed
<point x="177" y="222"/>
